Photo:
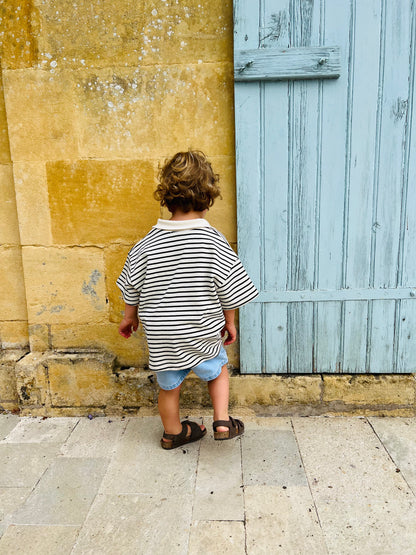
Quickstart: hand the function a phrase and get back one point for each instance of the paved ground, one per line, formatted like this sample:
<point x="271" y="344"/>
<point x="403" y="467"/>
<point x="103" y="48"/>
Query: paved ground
<point x="310" y="485"/>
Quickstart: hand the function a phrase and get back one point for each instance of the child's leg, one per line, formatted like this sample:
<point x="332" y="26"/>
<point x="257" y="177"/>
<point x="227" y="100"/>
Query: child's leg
<point x="168" y="404"/>
<point x="219" y="393"/>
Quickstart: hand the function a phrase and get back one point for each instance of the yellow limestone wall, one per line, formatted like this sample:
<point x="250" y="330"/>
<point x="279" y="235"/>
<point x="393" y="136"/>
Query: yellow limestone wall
<point x="96" y="94"/>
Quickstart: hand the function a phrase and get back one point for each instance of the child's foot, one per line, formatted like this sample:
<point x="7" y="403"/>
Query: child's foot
<point x="191" y="431"/>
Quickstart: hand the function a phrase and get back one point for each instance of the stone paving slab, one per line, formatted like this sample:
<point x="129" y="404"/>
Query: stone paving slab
<point x="360" y="498"/>
<point x="217" y="537"/>
<point x="219" y="482"/>
<point x="271" y="456"/>
<point x="282" y="521"/>
<point x="140" y="465"/>
<point x="7" y="423"/>
<point x="41" y="430"/>
<point x="64" y="494"/>
<point x="96" y="438"/>
<point x="136" y="524"/>
<point x="38" y="540"/>
<point x="10" y="500"/>
<point x="336" y="485"/>
<point x="22" y="464"/>
<point x="398" y="436"/>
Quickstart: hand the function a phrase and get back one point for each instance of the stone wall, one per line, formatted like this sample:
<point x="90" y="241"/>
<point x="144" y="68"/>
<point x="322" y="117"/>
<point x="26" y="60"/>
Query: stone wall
<point x="96" y="95"/>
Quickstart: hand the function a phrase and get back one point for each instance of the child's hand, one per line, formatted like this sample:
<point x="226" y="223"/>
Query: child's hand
<point x="231" y="333"/>
<point x="128" y="326"/>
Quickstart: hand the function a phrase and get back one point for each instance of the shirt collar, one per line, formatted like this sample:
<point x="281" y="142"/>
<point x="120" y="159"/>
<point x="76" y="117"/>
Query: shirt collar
<point x="179" y="225"/>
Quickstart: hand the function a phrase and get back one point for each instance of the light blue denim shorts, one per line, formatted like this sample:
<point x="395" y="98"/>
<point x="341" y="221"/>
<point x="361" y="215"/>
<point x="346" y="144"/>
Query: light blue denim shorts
<point x="207" y="370"/>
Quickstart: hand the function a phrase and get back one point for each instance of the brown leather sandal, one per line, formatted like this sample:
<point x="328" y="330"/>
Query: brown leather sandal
<point x="235" y="428"/>
<point x="176" y="440"/>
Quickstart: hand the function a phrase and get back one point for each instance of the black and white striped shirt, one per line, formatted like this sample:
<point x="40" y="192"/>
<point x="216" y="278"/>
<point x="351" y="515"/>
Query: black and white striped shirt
<point x="182" y="275"/>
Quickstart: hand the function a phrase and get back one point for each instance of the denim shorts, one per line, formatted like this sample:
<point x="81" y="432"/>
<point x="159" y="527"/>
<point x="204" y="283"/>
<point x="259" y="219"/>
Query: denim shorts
<point x="207" y="370"/>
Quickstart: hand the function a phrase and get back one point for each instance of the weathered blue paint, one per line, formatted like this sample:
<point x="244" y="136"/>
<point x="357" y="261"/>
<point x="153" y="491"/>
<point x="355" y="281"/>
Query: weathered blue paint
<point x="326" y="188"/>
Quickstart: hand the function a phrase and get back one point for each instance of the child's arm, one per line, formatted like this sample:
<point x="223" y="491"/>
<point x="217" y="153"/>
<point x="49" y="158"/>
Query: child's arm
<point x="229" y="327"/>
<point x="130" y="322"/>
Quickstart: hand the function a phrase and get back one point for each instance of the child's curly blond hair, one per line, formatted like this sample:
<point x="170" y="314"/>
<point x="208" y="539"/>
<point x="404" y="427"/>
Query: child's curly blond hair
<point x="187" y="182"/>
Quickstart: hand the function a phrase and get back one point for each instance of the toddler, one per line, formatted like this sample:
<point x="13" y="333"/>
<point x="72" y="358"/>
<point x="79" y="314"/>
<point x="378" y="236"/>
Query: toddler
<point x="185" y="281"/>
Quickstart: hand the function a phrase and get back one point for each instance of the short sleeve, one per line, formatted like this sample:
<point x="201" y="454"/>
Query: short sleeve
<point x="237" y="289"/>
<point x="130" y="283"/>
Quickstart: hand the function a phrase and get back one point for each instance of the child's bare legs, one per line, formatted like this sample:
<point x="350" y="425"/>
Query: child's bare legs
<point x="168" y="404"/>
<point x="219" y="393"/>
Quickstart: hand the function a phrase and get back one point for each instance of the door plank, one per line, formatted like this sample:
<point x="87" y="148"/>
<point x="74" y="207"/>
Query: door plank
<point x="247" y="116"/>
<point x="282" y="64"/>
<point x="332" y="178"/>
<point x="274" y="32"/>
<point x="364" y="67"/>
<point x="389" y="175"/>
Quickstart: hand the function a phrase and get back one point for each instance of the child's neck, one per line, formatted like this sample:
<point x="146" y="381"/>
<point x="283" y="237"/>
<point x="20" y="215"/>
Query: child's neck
<point x="192" y="215"/>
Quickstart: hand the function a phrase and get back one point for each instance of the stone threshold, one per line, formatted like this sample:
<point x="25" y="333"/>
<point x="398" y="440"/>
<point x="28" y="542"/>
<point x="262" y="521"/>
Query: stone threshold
<point x="91" y="383"/>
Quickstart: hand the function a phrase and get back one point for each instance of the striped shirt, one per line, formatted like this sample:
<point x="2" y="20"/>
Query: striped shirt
<point x="182" y="275"/>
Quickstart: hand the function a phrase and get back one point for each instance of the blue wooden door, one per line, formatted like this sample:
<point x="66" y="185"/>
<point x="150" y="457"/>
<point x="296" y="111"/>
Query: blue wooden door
<point x="326" y="184"/>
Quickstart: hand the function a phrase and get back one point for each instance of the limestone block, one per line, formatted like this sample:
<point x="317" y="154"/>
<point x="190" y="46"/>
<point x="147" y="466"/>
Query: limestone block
<point x="4" y="135"/>
<point x="96" y="201"/>
<point x="31" y="381"/>
<point x="233" y="354"/>
<point x="195" y="392"/>
<point x="40" y="337"/>
<point x="370" y="389"/>
<point x="135" y="388"/>
<point x="152" y="111"/>
<point x="9" y="229"/>
<point x="81" y="379"/>
<point x="273" y="390"/>
<point x="115" y="257"/>
<point x="129" y="352"/>
<point x="13" y="299"/>
<point x="41" y="115"/>
<point x="93" y="34"/>
<point x="18" y="45"/>
<point x="8" y="388"/>
<point x="65" y="285"/>
<point x="32" y="191"/>
<point x="14" y="334"/>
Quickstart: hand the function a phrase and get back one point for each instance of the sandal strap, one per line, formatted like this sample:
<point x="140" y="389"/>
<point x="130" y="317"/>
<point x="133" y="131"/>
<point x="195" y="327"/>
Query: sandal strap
<point x="196" y="431"/>
<point x="235" y="426"/>
<point x="225" y="423"/>
<point x="231" y="423"/>
<point x="181" y="434"/>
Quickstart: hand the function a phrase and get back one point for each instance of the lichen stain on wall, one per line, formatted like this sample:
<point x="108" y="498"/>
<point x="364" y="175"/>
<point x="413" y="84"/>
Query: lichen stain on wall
<point x="89" y="290"/>
<point x="97" y="95"/>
